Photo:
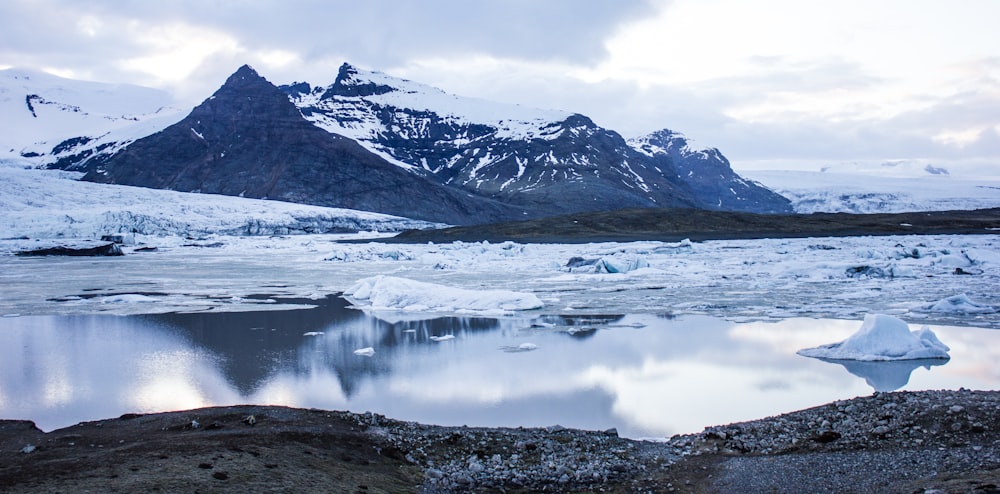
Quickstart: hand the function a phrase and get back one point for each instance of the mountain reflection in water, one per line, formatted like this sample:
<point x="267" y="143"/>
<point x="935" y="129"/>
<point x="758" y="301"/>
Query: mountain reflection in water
<point x="645" y="375"/>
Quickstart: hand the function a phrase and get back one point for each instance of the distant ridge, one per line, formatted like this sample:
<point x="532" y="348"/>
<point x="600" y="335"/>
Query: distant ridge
<point x="672" y="225"/>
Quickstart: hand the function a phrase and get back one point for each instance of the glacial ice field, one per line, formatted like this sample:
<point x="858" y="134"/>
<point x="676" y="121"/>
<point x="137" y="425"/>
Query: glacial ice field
<point x="948" y="279"/>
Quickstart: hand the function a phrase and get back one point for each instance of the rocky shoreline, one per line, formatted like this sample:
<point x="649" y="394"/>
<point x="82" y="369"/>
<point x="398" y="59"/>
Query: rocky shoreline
<point x="906" y="442"/>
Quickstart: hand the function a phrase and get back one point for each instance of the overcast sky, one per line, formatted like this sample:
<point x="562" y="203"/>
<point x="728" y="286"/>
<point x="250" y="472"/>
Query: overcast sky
<point x="781" y="81"/>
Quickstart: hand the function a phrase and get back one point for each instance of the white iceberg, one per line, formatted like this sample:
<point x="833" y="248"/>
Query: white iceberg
<point x="612" y="264"/>
<point x="961" y="304"/>
<point x="443" y="338"/>
<point x="392" y="293"/>
<point x="881" y="338"/>
<point x="365" y="352"/>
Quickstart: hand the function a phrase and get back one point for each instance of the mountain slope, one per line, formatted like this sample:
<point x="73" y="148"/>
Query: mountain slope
<point x="708" y="174"/>
<point x="549" y="160"/>
<point x="48" y="118"/>
<point x="249" y="140"/>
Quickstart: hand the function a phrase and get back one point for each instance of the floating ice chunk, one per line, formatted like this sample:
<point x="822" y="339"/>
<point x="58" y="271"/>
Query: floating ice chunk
<point x="365" y="352"/>
<point x="127" y="298"/>
<point x="523" y="347"/>
<point x="959" y="304"/>
<point x="443" y="337"/>
<point x="883" y="337"/>
<point x="370" y="252"/>
<point x="960" y="260"/>
<point x="616" y="264"/>
<point x="392" y="293"/>
<point x="313" y="333"/>
<point x="606" y="264"/>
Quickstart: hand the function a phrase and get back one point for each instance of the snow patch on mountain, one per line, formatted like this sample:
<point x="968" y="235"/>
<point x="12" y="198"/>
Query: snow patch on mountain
<point x="47" y="117"/>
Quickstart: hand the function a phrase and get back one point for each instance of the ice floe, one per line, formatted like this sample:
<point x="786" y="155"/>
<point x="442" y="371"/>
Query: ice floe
<point x="393" y="293"/>
<point x="523" y="347"/>
<point x="365" y="352"/>
<point x="607" y="264"/>
<point x="883" y="337"/>
<point x="128" y="298"/>
<point x="961" y="304"/>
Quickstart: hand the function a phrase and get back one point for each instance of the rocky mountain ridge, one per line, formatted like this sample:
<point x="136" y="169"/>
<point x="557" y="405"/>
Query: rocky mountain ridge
<point x="248" y="140"/>
<point x="464" y="160"/>
<point x="559" y="161"/>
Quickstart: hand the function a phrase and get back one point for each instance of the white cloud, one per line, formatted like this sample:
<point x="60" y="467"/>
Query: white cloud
<point x="171" y="52"/>
<point x="774" y="79"/>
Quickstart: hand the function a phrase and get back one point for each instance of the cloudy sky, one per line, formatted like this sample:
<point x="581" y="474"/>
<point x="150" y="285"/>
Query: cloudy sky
<point x="767" y="82"/>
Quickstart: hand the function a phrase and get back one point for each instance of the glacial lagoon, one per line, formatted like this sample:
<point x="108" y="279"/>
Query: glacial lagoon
<point x="647" y="375"/>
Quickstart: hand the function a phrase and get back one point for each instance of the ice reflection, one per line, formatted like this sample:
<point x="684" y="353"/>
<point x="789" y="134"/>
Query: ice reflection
<point x="886" y="376"/>
<point x="643" y="374"/>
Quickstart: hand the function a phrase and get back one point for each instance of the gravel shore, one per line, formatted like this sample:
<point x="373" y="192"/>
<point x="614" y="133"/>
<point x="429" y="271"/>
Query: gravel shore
<point x="905" y="442"/>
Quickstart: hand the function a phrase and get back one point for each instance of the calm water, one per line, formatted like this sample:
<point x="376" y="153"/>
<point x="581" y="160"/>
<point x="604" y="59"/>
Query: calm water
<point x="648" y="376"/>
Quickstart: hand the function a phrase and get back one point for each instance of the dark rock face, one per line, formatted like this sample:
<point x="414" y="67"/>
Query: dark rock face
<point x="708" y="175"/>
<point x="249" y="140"/>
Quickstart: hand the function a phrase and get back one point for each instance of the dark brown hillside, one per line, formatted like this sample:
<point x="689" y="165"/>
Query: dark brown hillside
<point x="695" y="224"/>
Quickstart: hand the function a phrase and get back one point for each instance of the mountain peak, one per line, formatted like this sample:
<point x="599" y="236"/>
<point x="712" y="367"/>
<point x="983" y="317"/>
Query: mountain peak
<point x="349" y="83"/>
<point x="244" y="75"/>
<point x="667" y="141"/>
<point x="345" y="71"/>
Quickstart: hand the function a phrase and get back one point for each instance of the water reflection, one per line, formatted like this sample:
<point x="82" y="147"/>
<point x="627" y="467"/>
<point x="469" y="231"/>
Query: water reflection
<point x="645" y="375"/>
<point x="886" y="376"/>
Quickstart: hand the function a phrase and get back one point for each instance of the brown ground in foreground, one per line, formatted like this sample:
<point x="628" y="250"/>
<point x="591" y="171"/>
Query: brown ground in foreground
<point x="890" y="442"/>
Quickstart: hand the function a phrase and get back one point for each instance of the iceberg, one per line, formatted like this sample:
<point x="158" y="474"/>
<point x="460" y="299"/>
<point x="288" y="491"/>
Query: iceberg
<point x="392" y="293"/>
<point x="959" y="304"/>
<point x="883" y="338"/>
<point x="606" y="264"/>
<point x="365" y="352"/>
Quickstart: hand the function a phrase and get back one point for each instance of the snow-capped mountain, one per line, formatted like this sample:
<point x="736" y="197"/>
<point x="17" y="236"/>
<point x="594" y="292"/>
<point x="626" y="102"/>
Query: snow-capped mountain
<point x="47" y="118"/>
<point x="553" y="160"/>
<point x="249" y="140"/>
<point x="464" y="160"/>
<point x="708" y="174"/>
